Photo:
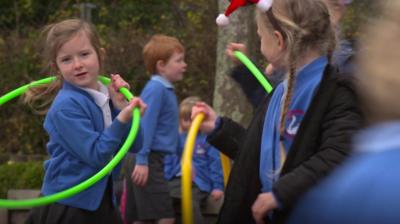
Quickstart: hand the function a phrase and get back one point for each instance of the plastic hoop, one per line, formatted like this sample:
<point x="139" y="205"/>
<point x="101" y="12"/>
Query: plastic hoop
<point x="16" y="204"/>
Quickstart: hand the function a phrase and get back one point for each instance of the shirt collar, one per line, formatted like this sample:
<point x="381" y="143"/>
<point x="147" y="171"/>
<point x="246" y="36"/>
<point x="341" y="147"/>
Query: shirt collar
<point x="163" y="81"/>
<point x="101" y="96"/>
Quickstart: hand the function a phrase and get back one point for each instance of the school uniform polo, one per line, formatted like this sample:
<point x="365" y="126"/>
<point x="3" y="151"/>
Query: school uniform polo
<point x="160" y="122"/>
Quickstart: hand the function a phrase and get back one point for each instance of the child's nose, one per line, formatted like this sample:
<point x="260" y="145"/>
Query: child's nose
<point x="77" y="63"/>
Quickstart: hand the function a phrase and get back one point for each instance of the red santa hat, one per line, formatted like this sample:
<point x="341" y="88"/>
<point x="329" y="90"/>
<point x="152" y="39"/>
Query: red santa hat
<point x="223" y="20"/>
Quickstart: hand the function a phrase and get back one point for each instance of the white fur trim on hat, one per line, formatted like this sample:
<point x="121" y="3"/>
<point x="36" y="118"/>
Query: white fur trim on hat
<point x="222" y="20"/>
<point x="264" y="5"/>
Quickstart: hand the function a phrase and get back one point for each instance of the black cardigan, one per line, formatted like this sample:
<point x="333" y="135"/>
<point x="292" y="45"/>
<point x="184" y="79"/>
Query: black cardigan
<point x="321" y="143"/>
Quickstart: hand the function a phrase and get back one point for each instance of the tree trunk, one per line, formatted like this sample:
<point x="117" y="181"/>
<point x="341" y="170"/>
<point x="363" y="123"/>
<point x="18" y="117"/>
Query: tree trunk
<point x="229" y="99"/>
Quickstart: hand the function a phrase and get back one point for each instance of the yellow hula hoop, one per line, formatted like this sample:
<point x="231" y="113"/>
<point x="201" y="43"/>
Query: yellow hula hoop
<point x="226" y="167"/>
<point x="187" y="158"/>
<point x="187" y="209"/>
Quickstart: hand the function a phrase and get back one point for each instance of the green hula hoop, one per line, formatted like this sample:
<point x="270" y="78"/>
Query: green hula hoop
<point x="16" y="204"/>
<point x="254" y="70"/>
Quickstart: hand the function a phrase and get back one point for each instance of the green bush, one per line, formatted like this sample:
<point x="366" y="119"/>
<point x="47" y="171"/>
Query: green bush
<point x="27" y="175"/>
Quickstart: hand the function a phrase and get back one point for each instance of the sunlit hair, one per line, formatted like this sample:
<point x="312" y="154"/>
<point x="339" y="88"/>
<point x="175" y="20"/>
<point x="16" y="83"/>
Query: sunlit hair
<point x="305" y="26"/>
<point x="378" y="76"/>
<point x="160" y="48"/>
<point x="53" y="37"/>
<point x="185" y="108"/>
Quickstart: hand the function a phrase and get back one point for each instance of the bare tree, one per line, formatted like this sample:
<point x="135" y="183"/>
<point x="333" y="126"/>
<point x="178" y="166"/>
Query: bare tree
<point x="229" y="99"/>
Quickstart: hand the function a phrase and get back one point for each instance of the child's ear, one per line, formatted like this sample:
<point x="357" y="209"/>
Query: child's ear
<point x="279" y="40"/>
<point x="160" y="66"/>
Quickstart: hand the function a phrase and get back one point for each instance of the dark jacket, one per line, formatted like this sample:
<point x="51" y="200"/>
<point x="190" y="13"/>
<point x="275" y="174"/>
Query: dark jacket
<point x="322" y="142"/>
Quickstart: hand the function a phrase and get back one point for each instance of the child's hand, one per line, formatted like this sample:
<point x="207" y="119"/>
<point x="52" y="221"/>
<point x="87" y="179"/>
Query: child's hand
<point x="231" y="47"/>
<point x="126" y="113"/>
<point x="208" y="124"/>
<point x="116" y="97"/>
<point x="264" y="204"/>
<point x="217" y="194"/>
<point x="140" y="174"/>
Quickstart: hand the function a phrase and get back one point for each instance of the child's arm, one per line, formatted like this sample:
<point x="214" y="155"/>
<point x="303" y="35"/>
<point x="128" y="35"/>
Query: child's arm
<point x="153" y="98"/>
<point x="125" y="114"/>
<point x="242" y="75"/>
<point x="227" y="137"/>
<point x="138" y="143"/>
<point x="75" y="131"/>
<point x="120" y="103"/>
<point x="216" y="174"/>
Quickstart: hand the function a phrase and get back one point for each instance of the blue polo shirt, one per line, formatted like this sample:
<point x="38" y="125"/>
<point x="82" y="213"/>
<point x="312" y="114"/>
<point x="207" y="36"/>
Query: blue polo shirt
<point x="160" y="122"/>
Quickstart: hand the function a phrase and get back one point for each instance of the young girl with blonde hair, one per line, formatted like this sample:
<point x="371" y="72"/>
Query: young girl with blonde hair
<point x="299" y="134"/>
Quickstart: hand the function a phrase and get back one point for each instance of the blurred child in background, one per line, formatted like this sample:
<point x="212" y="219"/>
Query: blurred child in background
<point x="207" y="170"/>
<point x="148" y="196"/>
